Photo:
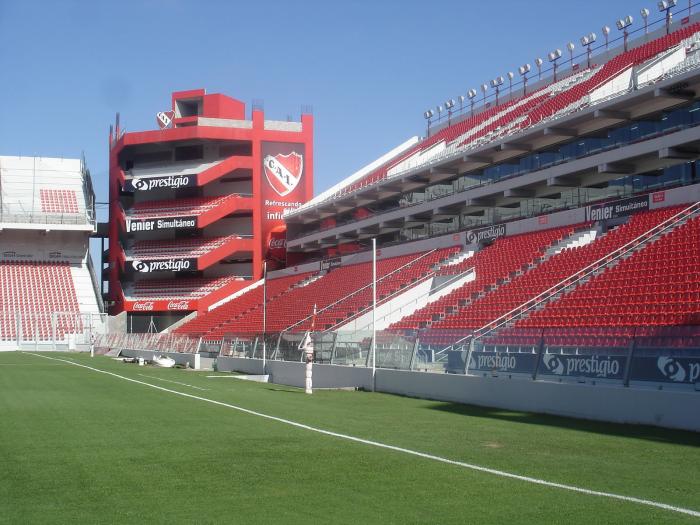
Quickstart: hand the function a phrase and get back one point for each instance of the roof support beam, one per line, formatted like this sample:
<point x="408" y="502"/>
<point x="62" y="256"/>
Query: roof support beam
<point x="678" y="153"/>
<point x="616" y="167"/>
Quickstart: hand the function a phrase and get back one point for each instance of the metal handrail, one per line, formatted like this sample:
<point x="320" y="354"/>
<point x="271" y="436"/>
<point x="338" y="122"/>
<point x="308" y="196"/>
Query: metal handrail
<point x="432" y="274"/>
<point x="579" y="275"/>
<point x="360" y="290"/>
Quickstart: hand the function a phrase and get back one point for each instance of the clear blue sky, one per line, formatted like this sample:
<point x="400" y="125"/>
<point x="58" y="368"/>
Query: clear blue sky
<point x="369" y="68"/>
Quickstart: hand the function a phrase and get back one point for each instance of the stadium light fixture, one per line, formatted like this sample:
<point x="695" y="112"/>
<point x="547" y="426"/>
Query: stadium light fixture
<point x="428" y="115"/>
<point x="484" y="88"/>
<point x="622" y="24"/>
<point x="667" y="5"/>
<point x="524" y="70"/>
<point x="587" y="41"/>
<point x="510" y="76"/>
<point x="553" y="56"/>
<point x="538" y="63"/>
<point x="471" y="94"/>
<point x="449" y="104"/>
<point x="496" y="84"/>
<point x="570" y="46"/>
<point x="645" y="16"/>
<point x="606" y="34"/>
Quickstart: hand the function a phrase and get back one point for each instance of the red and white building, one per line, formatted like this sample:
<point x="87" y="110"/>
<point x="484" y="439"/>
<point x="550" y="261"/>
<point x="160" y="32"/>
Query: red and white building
<point x="196" y="205"/>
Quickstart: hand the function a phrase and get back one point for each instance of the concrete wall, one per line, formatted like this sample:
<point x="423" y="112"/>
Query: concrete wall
<point x="668" y="408"/>
<point x="292" y="374"/>
<point x="614" y="403"/>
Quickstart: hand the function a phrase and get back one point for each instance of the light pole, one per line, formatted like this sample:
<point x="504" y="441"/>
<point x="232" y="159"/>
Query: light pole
<point x="524" y="70"/>
<point x="667" y="5"/>
<point x="645" y="16"/>
<point x="510" y="83"/>
<point x="264" y="352"/>
<point x="538" y="63"/>
<point x="553" y="56"/>
<point x="449" y="104"/>
<point x="496" y="84"/>
<point x="606" y="34"/>
<point x="622" y="24"/>
<point x="427" y="116"/>
<point x="587" y="41"/>
<point x="471" y="94"/>
<point x="570" y="46"/>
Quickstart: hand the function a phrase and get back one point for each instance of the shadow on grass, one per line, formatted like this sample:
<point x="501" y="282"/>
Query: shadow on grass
<point x="646" y="432"/>
<point x="288" y="390"/>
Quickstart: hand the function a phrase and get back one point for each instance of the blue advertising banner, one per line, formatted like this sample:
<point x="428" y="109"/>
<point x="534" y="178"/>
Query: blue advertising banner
<point x="585" y="365"/>
<point x="512" y="362"/>
<point x="666" y="369"/>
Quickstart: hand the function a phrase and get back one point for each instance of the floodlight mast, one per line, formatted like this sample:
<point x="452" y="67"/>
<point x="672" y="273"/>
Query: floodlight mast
<point x="645" y="16"/>
<point x="570" y="46"/>
<point x="449" y="104"/>
<point x="667" y="5"/>
<point x="471" y="94"/>
<point x="606" y="34"/>
<point x="484" y="88"/>
<point x="496" y="84"/>
<point x="538" y="63"/>
<point x="524" y="70"/>
<point x="553" y="56"/>
<point x="587" y="41"/>
<point x="623" y="25"/>
<point x="428" y="115"/>
<point x="510" y="83"/>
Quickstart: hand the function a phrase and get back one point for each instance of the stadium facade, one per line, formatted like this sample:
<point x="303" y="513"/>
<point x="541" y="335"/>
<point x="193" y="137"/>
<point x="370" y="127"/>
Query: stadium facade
<point x="197" y="205"/>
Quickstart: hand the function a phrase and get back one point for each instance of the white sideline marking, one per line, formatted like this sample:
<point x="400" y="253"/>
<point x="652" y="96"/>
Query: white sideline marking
<point x="175" y="382"/>
<point x="537" y="481"/>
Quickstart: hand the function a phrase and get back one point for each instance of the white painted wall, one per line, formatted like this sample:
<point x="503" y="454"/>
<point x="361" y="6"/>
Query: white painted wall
<point x="22" y="178"/>
<point x="405" y="304"/>
<point x="621" y="82"/>
<point x="659" y="66"/>
<point x="393" y="310"/>
<point x="636" y="405"/>
<point x="84" y="289"/>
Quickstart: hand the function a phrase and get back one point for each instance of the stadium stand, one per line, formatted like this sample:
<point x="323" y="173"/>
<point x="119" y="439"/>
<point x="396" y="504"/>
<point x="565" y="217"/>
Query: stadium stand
<point x="48" y="291"/>
<point x="182" y="247"/>
<point x="579" y="90"/>
<point x="337" y="294"/>
<point x="58" y="201"/>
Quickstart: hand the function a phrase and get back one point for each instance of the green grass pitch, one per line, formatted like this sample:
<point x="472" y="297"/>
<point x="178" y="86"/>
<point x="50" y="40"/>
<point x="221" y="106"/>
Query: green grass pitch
<point x="77" y="446"/>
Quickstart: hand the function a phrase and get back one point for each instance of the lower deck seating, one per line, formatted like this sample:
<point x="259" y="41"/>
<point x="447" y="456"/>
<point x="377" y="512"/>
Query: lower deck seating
<point x="658" y="285"/>
<point x="492" y="265"/>
<point x="233" y="310"/>
<point x="35" y="291"/>
<point x="338" y="294"/>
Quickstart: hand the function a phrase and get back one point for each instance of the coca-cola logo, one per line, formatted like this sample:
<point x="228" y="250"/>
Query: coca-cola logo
<point x="143" y="306"/>
<point x="278" y="243"/>
<point x="179" y="305"/>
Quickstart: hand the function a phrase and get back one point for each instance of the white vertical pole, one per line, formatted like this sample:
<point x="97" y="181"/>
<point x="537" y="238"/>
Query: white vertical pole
<point x="264" y="351"/>
<point x="374" y="312"/>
